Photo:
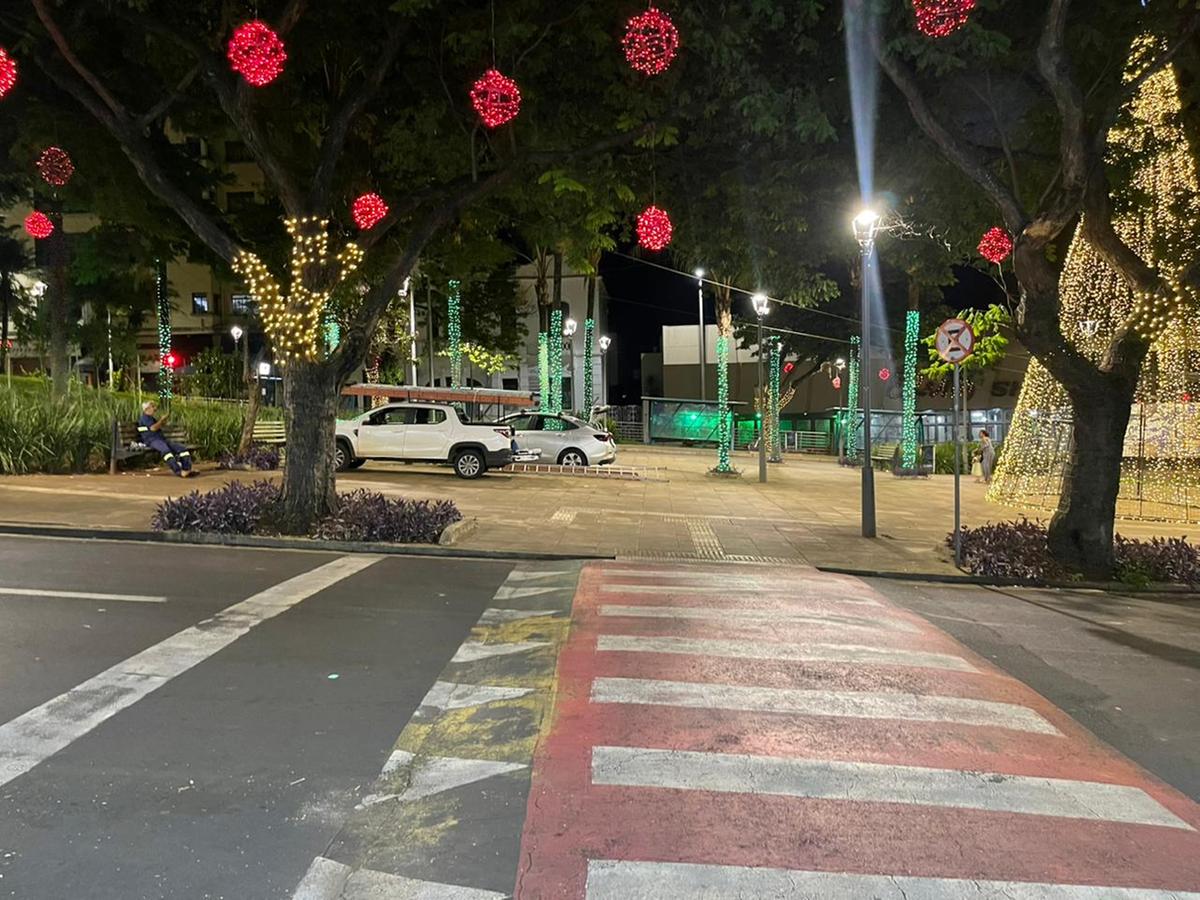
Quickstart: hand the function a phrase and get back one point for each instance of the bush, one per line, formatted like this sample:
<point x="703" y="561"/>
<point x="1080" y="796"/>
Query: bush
<point x="259" y="457"/>
<point x="251" y="508"/>
<point x="1021" y="550"/>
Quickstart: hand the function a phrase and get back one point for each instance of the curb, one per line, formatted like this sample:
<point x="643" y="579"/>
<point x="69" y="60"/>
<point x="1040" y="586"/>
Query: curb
<point x="983" y="581"/>
<point x="456" y="531"/>
<point x="281" y="543"/>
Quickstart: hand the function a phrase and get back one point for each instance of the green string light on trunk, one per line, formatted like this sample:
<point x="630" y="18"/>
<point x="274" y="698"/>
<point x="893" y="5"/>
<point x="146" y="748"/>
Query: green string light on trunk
<point x="162" y="307"/>
<point x="852" y="401"/>
<point x="776" y="365"/>
<point x="589" y="393"/>
<point x="724" y="431"/>
<point x="908" y="443"/>
<point x="556" y="359"/>
<point x="543" y="372"/>
<point x="454" y="332"/>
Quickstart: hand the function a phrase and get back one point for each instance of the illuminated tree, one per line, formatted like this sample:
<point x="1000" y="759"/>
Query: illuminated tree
<point x="1159" y="473"/>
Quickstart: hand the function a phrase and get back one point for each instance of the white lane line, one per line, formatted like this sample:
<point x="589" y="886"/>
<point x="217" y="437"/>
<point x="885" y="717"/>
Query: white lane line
<point x="750" y="614"/>
<point x="731" y="649"/>
<point x="738" y="591"/>
<point x="43" y="731"/>
<point x="847" y="704"/>
<point x="81" y="595"/>
<point x="821" y="779"/>
<point x="626" y="880"/>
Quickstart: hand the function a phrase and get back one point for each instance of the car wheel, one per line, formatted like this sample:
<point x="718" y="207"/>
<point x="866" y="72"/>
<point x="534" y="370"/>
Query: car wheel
<point x="343" y="456"/>
<point x="469" y="464"/>
<point x="572" y="457"/>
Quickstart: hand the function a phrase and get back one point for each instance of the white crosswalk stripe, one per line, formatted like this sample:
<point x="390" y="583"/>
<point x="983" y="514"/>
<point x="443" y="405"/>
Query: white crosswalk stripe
<point x="822" y="779"/>
<point x="759" y="615"/>
<point x="850" y="704"/>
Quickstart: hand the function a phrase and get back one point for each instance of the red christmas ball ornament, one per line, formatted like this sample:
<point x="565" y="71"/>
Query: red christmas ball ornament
<point x="55" y="166"/>
<point x="837" y="382"/>
<point x="651" y="42"/>
<point x="941" y="18"/>
<point x="8" y="72"/>
<point x="38" y="225"/>
<point x="885" y="373"/>
<point x="496" y="98"/>
<point x="995" y="246"/>
<point x="368" y="211"/>
<point x="256" y="53"/>
<point x="654" y="228"/>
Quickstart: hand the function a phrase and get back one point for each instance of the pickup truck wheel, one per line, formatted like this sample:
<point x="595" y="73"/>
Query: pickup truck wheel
<point x="343" y="456"/>
<point x="572" y="457"/>
<point x="469" y="464"/>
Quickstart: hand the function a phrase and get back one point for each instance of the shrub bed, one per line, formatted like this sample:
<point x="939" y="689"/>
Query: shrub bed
<point x="1021" y="550"/>
<point x="251" y="508"/>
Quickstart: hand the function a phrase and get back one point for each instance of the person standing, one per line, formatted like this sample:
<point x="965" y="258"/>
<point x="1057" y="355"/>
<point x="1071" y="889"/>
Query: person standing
<point x="178" y="457"/>
<point x="987" y="455"/>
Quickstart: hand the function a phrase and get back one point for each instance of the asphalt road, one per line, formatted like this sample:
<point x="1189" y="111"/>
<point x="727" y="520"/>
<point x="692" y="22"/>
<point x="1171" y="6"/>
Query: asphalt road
<point x="1126" y="667"/>
<point x="152" y="746"/>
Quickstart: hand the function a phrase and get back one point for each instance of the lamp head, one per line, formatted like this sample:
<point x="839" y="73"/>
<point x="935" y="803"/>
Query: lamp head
<point x="236" y="331"/>
<point x="761" y="304"/>
<point x="605" y="342"/>
<point x="264" y="368"/>
<point x="569" y="327"/>
<point x="866" y="224"/>
<point x="841" y="363"/>
<point x="699" y="273"/>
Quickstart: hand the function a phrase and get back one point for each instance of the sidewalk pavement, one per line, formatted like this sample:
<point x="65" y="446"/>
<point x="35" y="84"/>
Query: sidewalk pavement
<point x="807" y="513"/>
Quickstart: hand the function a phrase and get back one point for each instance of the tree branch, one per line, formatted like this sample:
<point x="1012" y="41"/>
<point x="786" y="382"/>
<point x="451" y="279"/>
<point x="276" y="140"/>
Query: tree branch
<point x="1074" y="153"/>
<point x="157" y="110"/>
<point x="290" y="16"/>
<point x="64" y="48"/>
<point x="339" y="128"/>
<point x="953" y="147"/>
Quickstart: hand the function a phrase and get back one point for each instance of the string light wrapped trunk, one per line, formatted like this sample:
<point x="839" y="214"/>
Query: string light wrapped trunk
<point x="162" y="311"/>
<point x="589" y="347"/>
<point x="543" y="372"/>
<point x="775" y="431"/>
<point x="852" y="400"/>
<point x="454" y="331"/>
<point x="556" y="360"/>
<point x="908" y="428"/>
<point x="724" y="425"/>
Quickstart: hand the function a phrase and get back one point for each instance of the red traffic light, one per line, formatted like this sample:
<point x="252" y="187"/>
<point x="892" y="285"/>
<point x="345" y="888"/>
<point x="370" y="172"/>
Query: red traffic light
<point x="170" y="360"/>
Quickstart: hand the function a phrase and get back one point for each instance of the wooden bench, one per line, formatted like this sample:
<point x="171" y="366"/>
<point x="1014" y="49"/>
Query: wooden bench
<point x="271" y="433"/>
<point x="885" y="456"/>
<point x="127" y="443"/>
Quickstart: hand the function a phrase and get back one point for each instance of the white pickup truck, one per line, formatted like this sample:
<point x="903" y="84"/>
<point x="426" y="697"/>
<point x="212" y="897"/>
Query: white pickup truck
<point x="422" y="432"/>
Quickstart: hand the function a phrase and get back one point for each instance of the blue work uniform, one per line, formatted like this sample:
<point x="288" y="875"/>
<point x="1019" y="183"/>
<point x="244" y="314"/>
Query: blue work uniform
<point x="177" y="456"/>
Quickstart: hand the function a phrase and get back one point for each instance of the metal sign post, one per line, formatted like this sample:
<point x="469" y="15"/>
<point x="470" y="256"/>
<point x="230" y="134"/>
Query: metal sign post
<point x="955" y="342"/>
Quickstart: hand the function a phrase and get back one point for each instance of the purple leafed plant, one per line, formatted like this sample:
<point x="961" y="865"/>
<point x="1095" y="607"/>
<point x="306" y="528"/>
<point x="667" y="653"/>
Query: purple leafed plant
<point x="259" y="457"/>
<point x="237" y="508"/>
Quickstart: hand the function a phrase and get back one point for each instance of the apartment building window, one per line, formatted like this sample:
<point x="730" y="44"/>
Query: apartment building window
<point x="237" y="152"/>
<point x="200" y="304"/>
<point x="242" y="304"/>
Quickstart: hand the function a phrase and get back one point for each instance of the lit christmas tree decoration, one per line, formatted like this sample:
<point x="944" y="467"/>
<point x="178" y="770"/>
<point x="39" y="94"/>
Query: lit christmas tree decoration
<point x="55" y="166"/>
<point x="995" y="246"/>
<point x="256" y="53"/>
<point x="908" y="425"/>
<point x="496" y="98"/>
<point x="8" y="72"/>
<point x="941" y="18"/>
<point x="38" y="225"/>
<point x="651" y="42"/>
<point x="454" y="331"/>
<point x="368" y="211"/>
<point x="162" y="312"/>
<point x="1159" y="476"/>
<point x="293" y="320"/>
<point x="654" y="229"/>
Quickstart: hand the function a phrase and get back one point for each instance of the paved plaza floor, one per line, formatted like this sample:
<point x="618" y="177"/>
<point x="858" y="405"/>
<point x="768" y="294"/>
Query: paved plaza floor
<point x="807" y="513"/>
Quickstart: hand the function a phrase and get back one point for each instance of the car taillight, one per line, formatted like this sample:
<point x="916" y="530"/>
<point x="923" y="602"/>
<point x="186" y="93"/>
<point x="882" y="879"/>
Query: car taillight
<point x="602" y="437"/>
<point x="506" y="432"/>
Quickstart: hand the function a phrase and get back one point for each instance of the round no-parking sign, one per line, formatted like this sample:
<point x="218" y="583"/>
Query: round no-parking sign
<point x="955" y="341"/>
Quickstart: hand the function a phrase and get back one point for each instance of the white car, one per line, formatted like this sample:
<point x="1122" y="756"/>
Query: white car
<point x="422" y="432"/>
<point x="563" y="439"/>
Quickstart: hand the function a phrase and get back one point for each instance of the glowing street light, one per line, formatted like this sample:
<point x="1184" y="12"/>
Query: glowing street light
<point x="866" y="226"/>
<point x="236" y="332"/>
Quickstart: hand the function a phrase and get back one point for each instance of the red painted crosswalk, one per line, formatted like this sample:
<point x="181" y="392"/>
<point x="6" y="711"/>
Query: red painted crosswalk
<point x="763" y="732"/>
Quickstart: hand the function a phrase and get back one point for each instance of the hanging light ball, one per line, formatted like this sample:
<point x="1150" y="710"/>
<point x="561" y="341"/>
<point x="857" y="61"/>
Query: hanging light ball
<point x="837" y="382"/>
<point x="496" y="98"/>
<point x="38" y="225"/>
<point x="256" y="53"/>
<point x="8" y="72"/>
<point x="55" y="166"/>
<point x="996" y="245"/>
<point x="885" y="374"/>
<point x="654" y="228"/>
<point x="368" y="211"/>
<point x="651" y="42"/>
<point x="941" y="18"/>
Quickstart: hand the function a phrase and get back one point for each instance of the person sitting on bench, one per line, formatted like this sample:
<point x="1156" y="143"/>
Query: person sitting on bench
<point x="178" y="457"/>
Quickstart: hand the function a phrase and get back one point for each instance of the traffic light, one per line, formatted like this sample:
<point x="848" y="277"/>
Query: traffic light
<point x="171" y="360"/>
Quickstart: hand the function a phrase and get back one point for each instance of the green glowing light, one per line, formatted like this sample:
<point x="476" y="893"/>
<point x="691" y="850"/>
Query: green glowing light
<point x="908" y="441"/>
<point x="725" y="432"/>
<point x="543" y="372"/>
<point x="775" y="437"/>
<point x="589" y="397"/>
<point x="454" y="331"/>
<point x="162" y="307"/>
<point x="851" y="413"/>
<point x="556" y="360"/>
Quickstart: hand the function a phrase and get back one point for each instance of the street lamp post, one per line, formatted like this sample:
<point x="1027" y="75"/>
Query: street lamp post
<point x="605" y="342"/>
<point x="569" y="328"/>
<point x="703" y="342"/>
<point x="761" y="307"/>
<point x="866" y="225"/>
<point x="236" y="332"/>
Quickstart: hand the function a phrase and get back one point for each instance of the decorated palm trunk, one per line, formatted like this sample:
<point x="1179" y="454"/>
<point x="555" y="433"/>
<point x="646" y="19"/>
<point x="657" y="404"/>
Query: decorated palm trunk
<point x="1052" y="441"/>
<point x="162" y="309"/>
<point x="555" y="346"/>
<point x="544" y="372"/>
<point x="724" y="423"/>
<point x="774" y="448"/>
<point x="589" y="386"/>
<point x="908" y="443"/>
<point x="454" y="332"/>
<point x="850" y="416"/>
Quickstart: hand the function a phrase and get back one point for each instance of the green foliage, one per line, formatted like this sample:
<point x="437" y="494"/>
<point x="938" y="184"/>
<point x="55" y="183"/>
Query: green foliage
<point x="215" y="375"/>
<point x="991" y="343"/>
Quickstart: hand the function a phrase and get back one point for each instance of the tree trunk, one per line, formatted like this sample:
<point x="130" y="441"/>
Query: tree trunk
<point x="308" y="478"/>
<point x="1081" y="531"/>
<point x="56" y="300"/>
<point x="253" y="402"/>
